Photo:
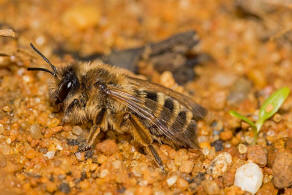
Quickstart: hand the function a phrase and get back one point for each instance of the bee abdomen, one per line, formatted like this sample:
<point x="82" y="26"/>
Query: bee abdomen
<point x="160" y="105"/>
<point x="167" y="112"/>
<point x="167" y="109"/>
<point x="189" y="134"/>
<point x="176" y="116"/>
<point x="170" y="113"/>
<point x="179" y="120"/>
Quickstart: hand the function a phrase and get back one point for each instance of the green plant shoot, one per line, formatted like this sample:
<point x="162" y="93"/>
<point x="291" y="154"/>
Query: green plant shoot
<point x="236" y="114"/>
<point x="270" y="106"/>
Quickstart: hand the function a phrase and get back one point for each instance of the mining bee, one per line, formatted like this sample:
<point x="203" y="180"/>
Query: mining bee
<point x="111" y="98"/>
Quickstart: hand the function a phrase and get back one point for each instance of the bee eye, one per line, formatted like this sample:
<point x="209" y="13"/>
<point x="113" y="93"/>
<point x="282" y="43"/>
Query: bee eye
<point x="69" y="85"/>
<point x="63" y="91"/>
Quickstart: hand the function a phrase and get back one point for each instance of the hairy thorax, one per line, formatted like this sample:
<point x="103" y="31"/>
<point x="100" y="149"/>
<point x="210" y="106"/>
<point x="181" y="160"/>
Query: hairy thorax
<point x="85" y="103"/>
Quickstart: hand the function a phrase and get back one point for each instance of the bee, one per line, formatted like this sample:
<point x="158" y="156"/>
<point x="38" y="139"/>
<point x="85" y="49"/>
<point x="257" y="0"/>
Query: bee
<point x="111" y="98"/>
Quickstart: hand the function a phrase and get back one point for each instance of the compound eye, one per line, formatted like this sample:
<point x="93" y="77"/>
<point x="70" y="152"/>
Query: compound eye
<point x="69" y="85"/>
<point x="63" y="91"/>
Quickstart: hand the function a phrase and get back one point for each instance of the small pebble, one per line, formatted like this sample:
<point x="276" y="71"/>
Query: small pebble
<point x="30" y="154"/>
<point x="143" y="183"/>
<point x="249" y="177"/>
<point x="267" y="188"/>
<point x="128" y="192"/>
<point x="202" y="139"/>
<point x="182" y="184"/>
<point x="72" y="142"/>
<point x="53" y="131"/>
<point x="6" y="109"/>
<point x="172" y="180"/>
<point x="78" y="155"/>
<point x="218" y="144"/>
<point x="257" y="77"/>
<point x="233" y="190"/>
<point x="8" y="141"/>
<point x="186" y="166"/>
<point x="59" y="147"/>
<point x="159" y="193"/>
<point x="219" y="165"/>
<point x="180" y="156"/>
<point x="7" y="33"/>
<point x="249" y="139"/>
<point x="101" y="159"/>
<point x="1" y="129"/>
<point x="218" y="100"/>
<point x="3" y="161"/>
<point x="93" y="167"/>
<point x="282" y="169"/>
<point x="228" y="177"/>
<point x="104" y="173"/>
<point x="5" y="149"/>
<point x="205" y="150"/>
<point x="51" y="187"/>
<point x="223" y="79"/>
<point x="211" y="187"/>
<point x="226" y="135"/>
<point x="167" y="78"/>
<point x="144" y="190"/>
<point x="64" y="187"/>
<point x="117" y="164"/>
<point x="40" y="40"/>
<point x="277" y="118"/>
<point x="84" y="184"/>
<point x="35" y="131"/>
<point x="77" y="130"/>
<point x="50" y="154"/>
<point x="107" y="147"/>
<point x="267" y="178"/>
<point x="258" y="155"/>
<point x="242" y="148"/>
<point x="239" y="91"/>
<point x="217" y="127"/>
<point x="27" y="78"/>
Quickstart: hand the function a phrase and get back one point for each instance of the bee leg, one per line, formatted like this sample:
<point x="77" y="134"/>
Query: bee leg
<point x="93" y="133"/>
<point x="90" y="141"/>
<point x="83" y="148"/>
<point x="156" y="157"/>
<point x="143" y="136"/>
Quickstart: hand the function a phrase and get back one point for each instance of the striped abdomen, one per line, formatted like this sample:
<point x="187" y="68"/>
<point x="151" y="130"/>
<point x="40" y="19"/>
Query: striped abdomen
<point x="177" y="118"/>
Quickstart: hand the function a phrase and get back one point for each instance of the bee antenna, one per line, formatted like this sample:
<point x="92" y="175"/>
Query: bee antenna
<point x="54" y="73"/>
<point x="41" y="69"/>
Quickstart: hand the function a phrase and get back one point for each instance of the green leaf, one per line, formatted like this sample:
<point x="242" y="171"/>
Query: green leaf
<point x="271" y="105"/>
<point x="237" y="115"/>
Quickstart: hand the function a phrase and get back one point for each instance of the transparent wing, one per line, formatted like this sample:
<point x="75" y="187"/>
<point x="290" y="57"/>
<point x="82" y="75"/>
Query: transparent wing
<point x="144" y="111"/>
<point x="198" y="111"/>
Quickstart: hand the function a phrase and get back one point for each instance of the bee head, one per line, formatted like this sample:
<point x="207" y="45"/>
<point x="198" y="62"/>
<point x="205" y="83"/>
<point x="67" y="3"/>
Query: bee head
<point x="66" y="80"/>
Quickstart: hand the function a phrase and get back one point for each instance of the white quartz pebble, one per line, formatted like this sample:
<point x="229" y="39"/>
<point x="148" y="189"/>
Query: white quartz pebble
<point x="220" y="164"/>
<point x="50" y="154"/>
<point x="249" y="177"/>
<point x="170" y="181"/>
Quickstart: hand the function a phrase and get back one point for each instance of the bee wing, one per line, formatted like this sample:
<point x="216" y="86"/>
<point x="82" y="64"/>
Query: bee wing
<point x="198" y="111"/>
<point x="150" y="119"/>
